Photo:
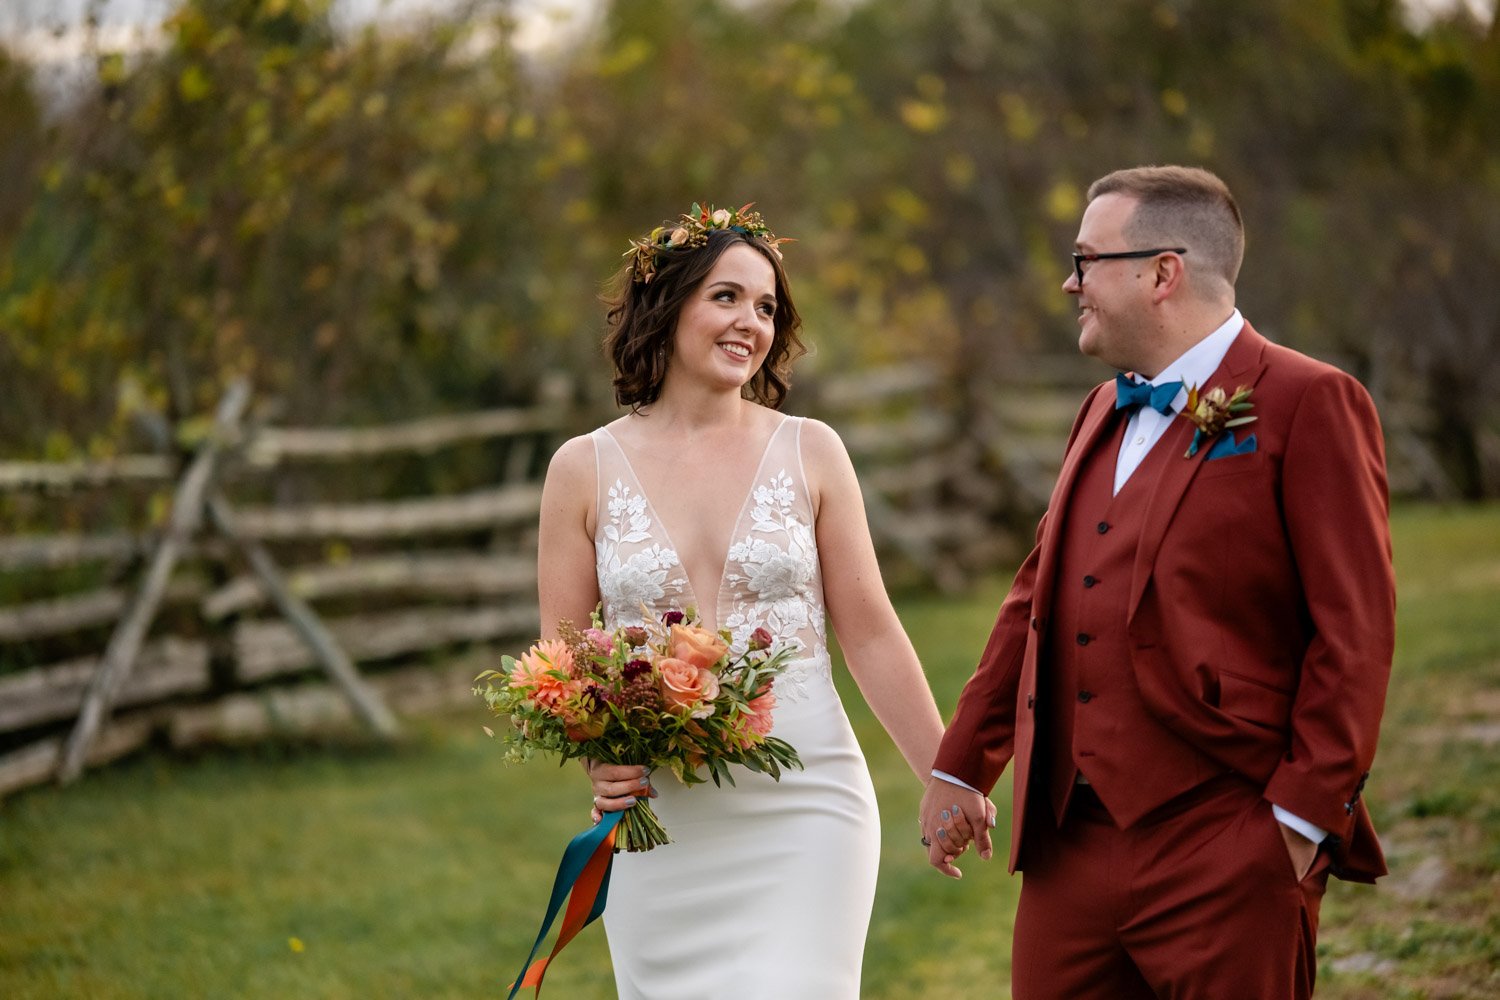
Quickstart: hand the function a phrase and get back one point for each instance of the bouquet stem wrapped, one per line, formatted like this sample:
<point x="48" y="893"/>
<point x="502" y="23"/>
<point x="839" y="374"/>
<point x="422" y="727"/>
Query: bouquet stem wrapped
<point x="639" y="828"/>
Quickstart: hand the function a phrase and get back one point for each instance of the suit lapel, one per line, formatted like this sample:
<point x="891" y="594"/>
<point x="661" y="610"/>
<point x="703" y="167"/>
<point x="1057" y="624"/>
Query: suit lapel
<point x="1242" y="365"/>
<point x="1098" y="423"/>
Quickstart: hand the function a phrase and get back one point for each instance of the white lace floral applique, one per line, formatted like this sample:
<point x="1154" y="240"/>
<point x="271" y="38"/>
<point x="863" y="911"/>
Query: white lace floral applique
<point x="643" y="577"/>
<point x="770" y="581"/>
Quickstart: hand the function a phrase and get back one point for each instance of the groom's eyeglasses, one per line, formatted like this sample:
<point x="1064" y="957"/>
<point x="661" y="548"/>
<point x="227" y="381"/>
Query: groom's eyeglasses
<point x="1080" y="259"/>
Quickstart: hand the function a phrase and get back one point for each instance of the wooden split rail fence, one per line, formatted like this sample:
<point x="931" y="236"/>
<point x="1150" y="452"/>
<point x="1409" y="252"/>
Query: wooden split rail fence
<point x="197" y="598"/>
<point x="208" y="616"/>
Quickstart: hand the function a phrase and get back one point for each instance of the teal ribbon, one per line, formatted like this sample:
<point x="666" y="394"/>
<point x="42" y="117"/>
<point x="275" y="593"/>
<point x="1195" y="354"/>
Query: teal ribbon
<point x="575" y="857"/>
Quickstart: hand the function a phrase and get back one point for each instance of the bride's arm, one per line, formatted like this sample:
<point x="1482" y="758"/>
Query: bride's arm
<point x="880" y="656"/>
<point x="567" y="583"/>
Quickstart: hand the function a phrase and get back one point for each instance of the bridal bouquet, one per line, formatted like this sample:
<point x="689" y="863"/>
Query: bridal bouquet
<point x="669" y="694"/>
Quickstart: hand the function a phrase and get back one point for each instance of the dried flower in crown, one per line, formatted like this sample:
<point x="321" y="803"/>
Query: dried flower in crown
<point x="692" y="232"/>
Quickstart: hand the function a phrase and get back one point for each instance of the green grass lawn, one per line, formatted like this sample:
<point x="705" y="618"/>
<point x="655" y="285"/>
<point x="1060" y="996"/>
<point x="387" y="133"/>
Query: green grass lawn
<point x="346" y="870"/>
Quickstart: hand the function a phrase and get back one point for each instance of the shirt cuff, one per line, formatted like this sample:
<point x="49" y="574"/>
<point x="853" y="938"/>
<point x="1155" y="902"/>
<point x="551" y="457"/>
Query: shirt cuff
<point x="955" y="781"/>
<point x="1302" y="826"/>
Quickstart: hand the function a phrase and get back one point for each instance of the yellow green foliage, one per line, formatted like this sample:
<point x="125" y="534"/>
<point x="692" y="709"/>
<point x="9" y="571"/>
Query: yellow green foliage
<point x="381" y="222"/>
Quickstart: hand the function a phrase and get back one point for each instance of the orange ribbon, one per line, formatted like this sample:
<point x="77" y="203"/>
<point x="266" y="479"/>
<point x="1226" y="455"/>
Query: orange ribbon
<point x="582" y="877"/>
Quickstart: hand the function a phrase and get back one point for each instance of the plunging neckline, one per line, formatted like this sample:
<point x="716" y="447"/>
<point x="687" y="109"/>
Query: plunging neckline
<point x="734" y="529"/>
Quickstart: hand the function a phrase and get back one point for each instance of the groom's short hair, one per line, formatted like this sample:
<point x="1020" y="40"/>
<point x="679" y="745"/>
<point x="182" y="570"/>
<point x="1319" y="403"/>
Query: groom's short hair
<point x="1182" y="206"/>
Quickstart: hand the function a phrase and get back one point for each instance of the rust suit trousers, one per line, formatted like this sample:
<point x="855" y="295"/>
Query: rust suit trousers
<point x="1198" y="901"/>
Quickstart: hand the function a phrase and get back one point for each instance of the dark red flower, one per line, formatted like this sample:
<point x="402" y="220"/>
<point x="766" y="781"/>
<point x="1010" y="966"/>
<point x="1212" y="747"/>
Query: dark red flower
<point x="760" y="638"/>
<point x="673" y="618"/>
<point x="594" y="697"/>
<point x="635" y="668"/>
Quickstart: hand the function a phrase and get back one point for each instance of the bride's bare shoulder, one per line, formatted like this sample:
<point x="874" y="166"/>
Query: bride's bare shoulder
<point x="573" y="464"/>
<point x="822" y="442"/>
<point x="827" y="466"/>
<point x="633" y="430"/>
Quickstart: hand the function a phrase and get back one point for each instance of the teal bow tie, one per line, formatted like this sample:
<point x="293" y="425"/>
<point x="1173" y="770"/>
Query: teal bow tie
<point x="1131" y="395"/>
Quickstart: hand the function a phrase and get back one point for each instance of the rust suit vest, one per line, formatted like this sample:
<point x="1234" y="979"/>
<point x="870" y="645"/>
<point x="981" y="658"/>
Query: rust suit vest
<point x="1095" y="722"/>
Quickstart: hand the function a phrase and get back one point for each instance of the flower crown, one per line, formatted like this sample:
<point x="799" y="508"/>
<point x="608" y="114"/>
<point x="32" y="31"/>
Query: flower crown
<point x="692" y="232"/>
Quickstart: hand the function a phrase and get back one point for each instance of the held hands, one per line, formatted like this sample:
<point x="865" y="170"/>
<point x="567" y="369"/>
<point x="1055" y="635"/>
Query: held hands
<point x="952" y="817"/>
<point x="617" y="786"/>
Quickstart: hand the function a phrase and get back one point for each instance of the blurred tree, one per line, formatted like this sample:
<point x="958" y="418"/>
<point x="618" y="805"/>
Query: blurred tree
<point x="419" y="218"/>
<point x="260" y="197"/>
<point x="20" y="145"/>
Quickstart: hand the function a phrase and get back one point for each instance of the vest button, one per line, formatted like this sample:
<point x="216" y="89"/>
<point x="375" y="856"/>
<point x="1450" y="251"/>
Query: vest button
<point x="1089" y="581"/>
<point x="1103" y="527"/>
<point x="1035" y="622"/>
<point x="1083" y="638"/>
<point x="1030" y="701"/>
<point x="1085" y="696"/>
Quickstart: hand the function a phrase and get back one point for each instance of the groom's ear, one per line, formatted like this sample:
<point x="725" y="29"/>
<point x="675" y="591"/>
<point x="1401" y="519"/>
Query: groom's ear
<point x="1170" y="277"/>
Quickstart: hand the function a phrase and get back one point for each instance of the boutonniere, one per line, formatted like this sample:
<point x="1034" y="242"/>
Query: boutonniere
<point x="1213" y="412"/>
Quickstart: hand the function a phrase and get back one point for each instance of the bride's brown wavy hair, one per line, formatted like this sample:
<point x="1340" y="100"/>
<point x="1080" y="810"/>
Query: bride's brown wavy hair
<point x="642" y="318"/>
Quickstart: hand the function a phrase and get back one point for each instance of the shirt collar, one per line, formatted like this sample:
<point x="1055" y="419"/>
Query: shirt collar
<point x="1200" y="361"/>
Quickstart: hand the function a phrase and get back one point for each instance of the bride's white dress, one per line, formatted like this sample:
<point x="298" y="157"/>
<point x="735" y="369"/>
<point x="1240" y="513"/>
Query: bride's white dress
<point x="766" y="889"/>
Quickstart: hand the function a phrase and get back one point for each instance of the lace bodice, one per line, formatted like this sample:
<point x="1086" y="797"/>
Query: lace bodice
<point x="771" y="577"/>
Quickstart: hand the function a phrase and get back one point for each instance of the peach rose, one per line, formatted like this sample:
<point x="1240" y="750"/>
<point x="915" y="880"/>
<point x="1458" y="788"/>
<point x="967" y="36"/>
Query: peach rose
<point x="697" y="646"/>
<point x="686" y="687"/>
<point x="708" y="685"/>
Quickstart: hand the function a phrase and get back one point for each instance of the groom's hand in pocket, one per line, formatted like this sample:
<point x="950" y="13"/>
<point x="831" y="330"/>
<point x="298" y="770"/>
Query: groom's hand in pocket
<point x="951" y="818"/>
<point x="1302" y="851"/>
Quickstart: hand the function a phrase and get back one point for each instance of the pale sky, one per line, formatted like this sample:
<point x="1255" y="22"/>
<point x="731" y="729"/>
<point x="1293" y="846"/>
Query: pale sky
<point x="135" y="12"/>
<point x="50" y="30"/>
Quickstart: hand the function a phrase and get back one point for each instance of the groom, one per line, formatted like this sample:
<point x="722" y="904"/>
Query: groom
<point x="1188" y="674"/>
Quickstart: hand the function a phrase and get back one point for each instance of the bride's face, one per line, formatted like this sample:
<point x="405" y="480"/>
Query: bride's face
<point x="725" y="328"/>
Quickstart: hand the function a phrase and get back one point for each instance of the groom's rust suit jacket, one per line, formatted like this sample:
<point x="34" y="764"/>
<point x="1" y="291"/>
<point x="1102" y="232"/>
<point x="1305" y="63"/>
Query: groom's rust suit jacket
<point x="1260" y="611"/>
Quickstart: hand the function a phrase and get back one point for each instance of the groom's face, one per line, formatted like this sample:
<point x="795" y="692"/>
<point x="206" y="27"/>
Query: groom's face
<point x="1112" y="300"/>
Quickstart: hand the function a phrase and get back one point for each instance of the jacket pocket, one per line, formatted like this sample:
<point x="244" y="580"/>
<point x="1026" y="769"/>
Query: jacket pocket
<point x="1254" y="702"/>
<point x="1233" y="465"/>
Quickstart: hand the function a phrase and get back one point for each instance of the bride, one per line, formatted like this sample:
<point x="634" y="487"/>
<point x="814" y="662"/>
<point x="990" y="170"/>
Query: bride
<point x="706" y="496"/>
